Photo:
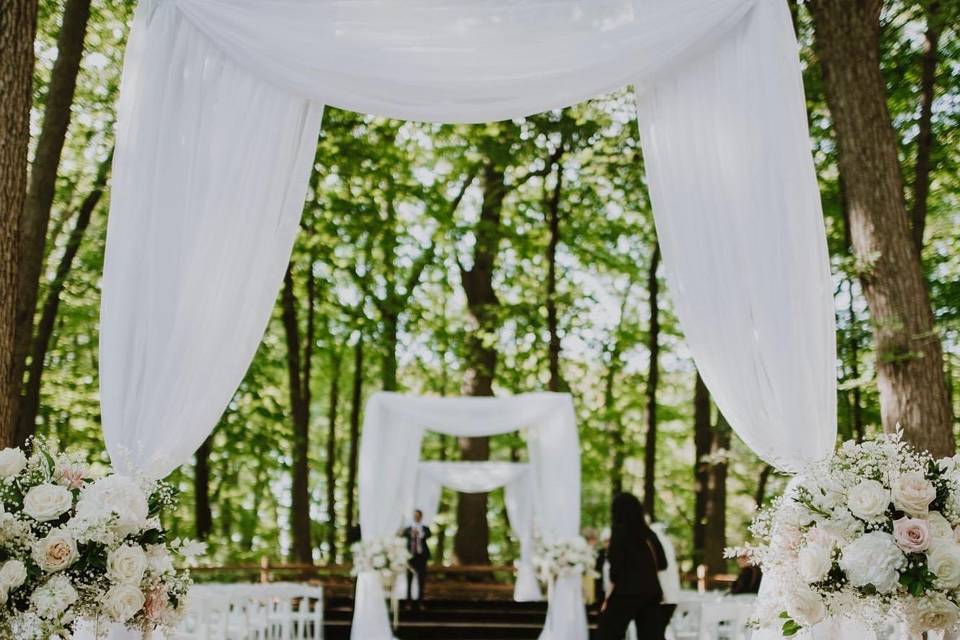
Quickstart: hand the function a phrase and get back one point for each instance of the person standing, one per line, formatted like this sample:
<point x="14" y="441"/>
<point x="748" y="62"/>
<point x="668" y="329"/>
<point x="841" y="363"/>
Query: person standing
<point x="416" y="536"/>
<point x="636" y="557"/>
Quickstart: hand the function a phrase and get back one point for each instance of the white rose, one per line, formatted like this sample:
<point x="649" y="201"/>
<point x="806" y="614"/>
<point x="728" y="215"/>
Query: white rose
<point x="934" y="613"/>
<point x="940" y="529"/>
<point x="814" y="562"/>
<point x="805" y="607"/>
<point x="873" y="558"/>
<point x="126" y="564"/>
<point x="943" y="560"/>
<point x="46" y="502"/>
<point x="12" y="574"/>
<point x="12" y="462"/>
<point x="115" y="495"/>
<point x="159" y="560"/>
<point x="912" y="493"/>
<point x="55" y="552"/>
<point x="122" y="602"/>
<point x="868" y="500"/>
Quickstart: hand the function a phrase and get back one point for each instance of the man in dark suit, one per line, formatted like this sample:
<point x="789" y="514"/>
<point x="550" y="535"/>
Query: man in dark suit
<point x="416" y="536"/>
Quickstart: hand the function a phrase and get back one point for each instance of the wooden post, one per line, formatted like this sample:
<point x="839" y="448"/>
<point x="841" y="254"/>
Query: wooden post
<point x="264" y="569"/>
<point x="702" y="578"/>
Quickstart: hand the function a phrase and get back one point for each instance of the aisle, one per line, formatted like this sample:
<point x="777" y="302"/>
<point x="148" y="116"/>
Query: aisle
<point x="451" y="620"/>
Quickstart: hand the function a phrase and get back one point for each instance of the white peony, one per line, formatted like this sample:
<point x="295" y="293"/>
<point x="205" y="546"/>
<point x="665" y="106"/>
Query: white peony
<point x="943" y="560"/>
<point x="912" y="493"/>
<point x="868" y="500"/>
<point x="805" y="607"/>
<point x="12" y="462"/>
<point x="939" y="527"/>
<point x="122" y="602"/>
<point x="116" y="495"/>
<point x="873" y="558"/>
<point x="13" y="573"/>
<point x="54" y="597"/>
<point x="126" y="564"/>
<point x="46" y="502"/>
<point x="814" y="562"/>
<point x="56" y="551"/>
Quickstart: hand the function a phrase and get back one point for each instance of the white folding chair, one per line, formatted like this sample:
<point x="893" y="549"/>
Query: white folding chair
<point x="725" y="620"/>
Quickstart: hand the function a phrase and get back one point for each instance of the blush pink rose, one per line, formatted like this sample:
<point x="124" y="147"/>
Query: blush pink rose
<point x="912" y="534"/>
<point x="156" y="604"/>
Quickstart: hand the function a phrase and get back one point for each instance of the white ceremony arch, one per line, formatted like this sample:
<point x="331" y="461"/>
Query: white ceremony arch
<point x="389" y="465"/>
<point x="221" y="105"/>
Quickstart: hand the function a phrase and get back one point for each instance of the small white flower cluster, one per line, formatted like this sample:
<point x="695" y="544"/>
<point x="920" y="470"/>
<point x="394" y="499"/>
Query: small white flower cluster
<point x="566" y="556"/>
<point x="388" y="557"/>
<point x="870" y="532"/>
<point x="73" y="546"/>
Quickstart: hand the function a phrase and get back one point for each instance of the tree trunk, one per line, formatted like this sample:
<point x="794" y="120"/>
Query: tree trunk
<point x="761" y="494"/>
<point x="18" y="25"/>
<point x="203" y="518"/>
<point x="715" y="513"/>
<point x="388" y="366"/>
<point x="653" y="378"/>
<point x="356" y="399"/>
<point x="928" y="79"/>
<point x="612" y="417"/>
<point x="333" y="401"/>
<point x="702" y="440"/>
<point x="30" y="400"/>
<point x="473" y="532"/>
<point x="43" y="174"/>
<point x="300" y="410"/>
<point x="556" y="382"/>
<point x="856" y="409"/>
<point x="910" y="378"/>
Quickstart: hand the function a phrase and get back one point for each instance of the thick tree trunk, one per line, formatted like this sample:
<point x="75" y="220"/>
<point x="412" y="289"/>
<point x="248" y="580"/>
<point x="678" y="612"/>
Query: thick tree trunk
<point x="473" y="532"/>
<point x="702" y="440"/>
<point x="300" y="410"/>
<point x="30" y="400"/>
<point x="715" y="512"/>
<point x="556" y="382"/>
<point x="203" y="518"/>
<point x="653" y="378"/>
<point x="928" y="80"/>
<point x="910" y="378"/>
<point x="356" y="400"/>
<point x="43" y="173"/>
<point x="333" y="402"/>
<point x="18" y="26"/>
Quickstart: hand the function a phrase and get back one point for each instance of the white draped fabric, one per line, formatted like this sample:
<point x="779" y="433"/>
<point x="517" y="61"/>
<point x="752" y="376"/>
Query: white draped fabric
<point x="393" y="429"/>
<point x="484" y="477"/>
<point x="221" y="104"/>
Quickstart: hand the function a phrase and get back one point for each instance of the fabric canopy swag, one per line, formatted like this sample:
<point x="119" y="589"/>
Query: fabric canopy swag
<point x="390" y="471"/>
<point x="220" y="109"/>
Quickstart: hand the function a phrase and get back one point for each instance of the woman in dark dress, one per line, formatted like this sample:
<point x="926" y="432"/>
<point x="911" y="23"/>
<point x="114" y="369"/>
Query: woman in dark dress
<point x="635" y="557"/>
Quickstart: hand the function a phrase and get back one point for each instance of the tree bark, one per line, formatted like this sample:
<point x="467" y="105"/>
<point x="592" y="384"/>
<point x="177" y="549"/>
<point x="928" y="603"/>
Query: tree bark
<point x="653" y="378"/>
<point x="300" y="411"/>
<point x="760" y="496"/>
<point x="473" y="532"/>
<point x="356" y="400"/>
<point x="702" y="440"/>
<point x="556" y="382"/>
<point x="43" y="174"/>
<point x="203" y="518"/>
<point x="30" y="400"/>
<point x="333" y="401"/>
<point x="910" y="377"/>
<point x="612" y="416"/>
<point x="928" y="80"/>
<point x="18" y="26"/>
<point x="715" y="513"/>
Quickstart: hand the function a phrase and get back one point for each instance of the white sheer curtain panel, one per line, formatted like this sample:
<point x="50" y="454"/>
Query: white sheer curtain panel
<point x="393" y="428"/>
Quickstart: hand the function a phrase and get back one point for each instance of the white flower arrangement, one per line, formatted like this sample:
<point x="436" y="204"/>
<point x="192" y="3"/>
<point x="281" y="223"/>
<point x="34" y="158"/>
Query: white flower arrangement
<point x="388" y="557"/>
<point x="566" y="556"/>
<point x="76" y="547"/>
<point x="871" y="532"/>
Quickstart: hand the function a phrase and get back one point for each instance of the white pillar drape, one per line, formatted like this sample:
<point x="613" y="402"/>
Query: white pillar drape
<point x="483" y="477"/>
<point x="393" y="428"/>
<point x="221" y="104"/>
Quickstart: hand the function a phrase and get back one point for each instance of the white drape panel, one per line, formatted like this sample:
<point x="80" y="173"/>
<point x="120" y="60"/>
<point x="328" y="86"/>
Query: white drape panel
<point x="483" y="477"/>
<point x="738" y="216"/>
<point x="220" y="108"/>
<point x="393" y="428"/>
<point x="208" y="183"/>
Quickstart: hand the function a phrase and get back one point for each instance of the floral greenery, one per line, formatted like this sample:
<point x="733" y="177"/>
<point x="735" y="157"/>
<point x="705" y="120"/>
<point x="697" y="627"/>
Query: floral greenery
<point x="870" y="532"/>
<point x="388" y="557"/>
<point x="75" y="547"/>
